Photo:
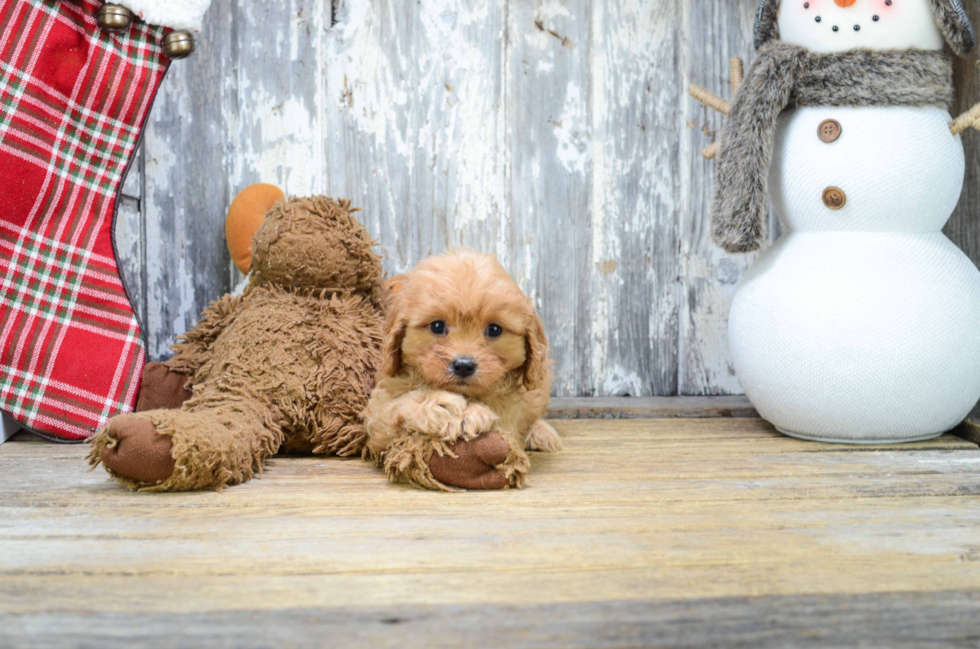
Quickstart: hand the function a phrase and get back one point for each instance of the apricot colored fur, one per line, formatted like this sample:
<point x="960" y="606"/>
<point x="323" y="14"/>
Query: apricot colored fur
<point x="289" y="364"/>
<point x="419" y="408"/>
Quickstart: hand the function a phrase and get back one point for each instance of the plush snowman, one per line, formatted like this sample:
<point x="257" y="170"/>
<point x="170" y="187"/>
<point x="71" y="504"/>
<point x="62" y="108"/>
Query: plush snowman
<point x="862" y="323"/>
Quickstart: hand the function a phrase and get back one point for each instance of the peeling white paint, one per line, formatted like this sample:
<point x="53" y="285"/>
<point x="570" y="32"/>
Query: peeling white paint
<point x="599" y="208"/>
<point x="163" y="165"/>
<point x="621" y="382"/>
<point x="477" y="123"/>
<point x="281" y="150"/>
<point x="573" y="132"/>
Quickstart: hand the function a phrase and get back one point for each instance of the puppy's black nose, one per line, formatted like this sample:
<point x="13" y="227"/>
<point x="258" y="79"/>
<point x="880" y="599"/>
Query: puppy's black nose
<point x="463" y="367"/>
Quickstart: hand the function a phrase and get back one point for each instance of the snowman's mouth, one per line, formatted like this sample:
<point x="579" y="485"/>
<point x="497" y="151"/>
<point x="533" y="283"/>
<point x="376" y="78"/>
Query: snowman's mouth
<point x="836" y="28"/>
<point x="856" y="27"/>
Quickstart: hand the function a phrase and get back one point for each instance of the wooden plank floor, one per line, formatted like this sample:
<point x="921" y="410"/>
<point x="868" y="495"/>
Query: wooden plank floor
<point x="684" y="532"/>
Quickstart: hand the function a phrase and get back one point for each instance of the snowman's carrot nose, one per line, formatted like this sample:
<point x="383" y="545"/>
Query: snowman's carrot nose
<point x="844" y="3"/>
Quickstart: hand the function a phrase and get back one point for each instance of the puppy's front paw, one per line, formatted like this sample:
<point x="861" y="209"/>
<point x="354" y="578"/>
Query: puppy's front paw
<point x="437" y="411"/>
<point x="474" y="465"/>
<point x="451" y="402"/>
<point x="476" y="420"/>
<point x="543" y="437"/>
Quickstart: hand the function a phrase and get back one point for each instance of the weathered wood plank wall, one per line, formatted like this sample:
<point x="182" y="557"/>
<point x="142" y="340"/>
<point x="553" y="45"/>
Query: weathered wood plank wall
<point x="554" y="133"/>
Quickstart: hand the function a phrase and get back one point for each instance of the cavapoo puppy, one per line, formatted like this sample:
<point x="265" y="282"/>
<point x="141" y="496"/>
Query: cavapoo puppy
<point x="464" y="381"/>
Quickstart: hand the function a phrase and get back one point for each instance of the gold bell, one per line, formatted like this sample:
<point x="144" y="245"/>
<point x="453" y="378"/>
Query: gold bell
<point x="178" y="44"/>
<point x="113" y="18"/>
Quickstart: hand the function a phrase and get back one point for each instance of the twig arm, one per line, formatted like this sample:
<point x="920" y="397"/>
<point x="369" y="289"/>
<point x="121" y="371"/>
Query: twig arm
<point x="738" y="74"/>
<point x="966" y="120"/>
<point x="712" y="100"/>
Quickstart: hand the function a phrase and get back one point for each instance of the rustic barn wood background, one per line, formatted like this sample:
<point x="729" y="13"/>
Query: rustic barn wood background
<point x="554" y="133"/>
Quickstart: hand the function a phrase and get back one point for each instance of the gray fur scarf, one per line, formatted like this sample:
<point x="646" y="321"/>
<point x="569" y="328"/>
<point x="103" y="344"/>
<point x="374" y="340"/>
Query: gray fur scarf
<point x="787" y="75"/>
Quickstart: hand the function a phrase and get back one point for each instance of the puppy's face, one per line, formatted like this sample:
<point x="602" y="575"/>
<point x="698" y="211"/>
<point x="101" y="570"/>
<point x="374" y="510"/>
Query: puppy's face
<point x="464" y="352"/>
<point x="462" y="324"/>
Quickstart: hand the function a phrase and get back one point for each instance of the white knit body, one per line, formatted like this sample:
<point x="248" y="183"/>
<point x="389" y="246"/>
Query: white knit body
<point x="862" y="324"/>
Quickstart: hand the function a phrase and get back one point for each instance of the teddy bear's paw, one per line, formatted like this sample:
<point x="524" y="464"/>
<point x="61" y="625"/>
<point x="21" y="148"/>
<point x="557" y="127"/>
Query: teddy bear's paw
<point x="135" y="450"/>
<point x="543" y="437"/>
<point x="476" y="420"/>
<point x="162" y="389"/>
<point x="475" y="465"/>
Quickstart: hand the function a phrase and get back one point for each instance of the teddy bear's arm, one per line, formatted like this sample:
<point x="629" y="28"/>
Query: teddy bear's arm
<point x="193" y="348"/>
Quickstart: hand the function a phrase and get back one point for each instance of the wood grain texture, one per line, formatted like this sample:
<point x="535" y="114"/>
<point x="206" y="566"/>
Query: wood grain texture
<point x="551" y="159"/>
<point x="415" y="114"/>
<point x="964" y="227"/>
<point x="641" y="530"/>
<point x="187" y="187"/>
<point x="716" y="32"/>
<point x="130" y="236"/>
<point x="650" y="407"/>
<point x="557" y="135"/>
<point x="636" y="204"/>
<point x="900" y="619"/>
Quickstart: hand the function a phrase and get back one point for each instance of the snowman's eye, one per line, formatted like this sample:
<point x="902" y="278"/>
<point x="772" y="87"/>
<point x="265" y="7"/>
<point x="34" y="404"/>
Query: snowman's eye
<point x="882" y="7"/>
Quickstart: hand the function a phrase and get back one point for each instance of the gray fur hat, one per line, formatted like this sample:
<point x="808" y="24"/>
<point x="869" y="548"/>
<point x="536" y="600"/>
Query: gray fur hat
<point x="950" y="15"/>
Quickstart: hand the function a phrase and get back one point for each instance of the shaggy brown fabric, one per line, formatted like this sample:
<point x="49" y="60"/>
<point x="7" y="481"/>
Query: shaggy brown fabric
<point x="950" y="16"/>
<point x="293" y="357"/>
<point x="162" y="389"/>
<point x="786" y="75"/>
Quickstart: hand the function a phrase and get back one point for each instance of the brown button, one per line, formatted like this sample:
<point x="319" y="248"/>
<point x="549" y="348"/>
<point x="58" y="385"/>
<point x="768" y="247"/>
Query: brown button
<point x="829" y="130"/>
<point x="834" y="198"/>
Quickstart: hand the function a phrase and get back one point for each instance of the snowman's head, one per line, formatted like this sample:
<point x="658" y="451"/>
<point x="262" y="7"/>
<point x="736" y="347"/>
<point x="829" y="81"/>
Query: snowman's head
<point x="841" y="25"/>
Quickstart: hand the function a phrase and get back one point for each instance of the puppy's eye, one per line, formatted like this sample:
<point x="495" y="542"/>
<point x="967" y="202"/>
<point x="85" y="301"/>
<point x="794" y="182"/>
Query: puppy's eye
<point x="438" y="327"/>
<point x="494" y="330"/>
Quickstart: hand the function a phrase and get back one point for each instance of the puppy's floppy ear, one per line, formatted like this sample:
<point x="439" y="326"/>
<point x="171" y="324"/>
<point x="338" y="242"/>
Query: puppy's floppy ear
<point x="537" y="369"/>
<point x="391" y="346"/>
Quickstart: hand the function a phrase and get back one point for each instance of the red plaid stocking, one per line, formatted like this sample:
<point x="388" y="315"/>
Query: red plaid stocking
<point x="73" y="100"/>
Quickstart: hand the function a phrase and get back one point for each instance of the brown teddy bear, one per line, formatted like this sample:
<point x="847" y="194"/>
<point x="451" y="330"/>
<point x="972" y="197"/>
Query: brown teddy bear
<point x="286" y="366"/>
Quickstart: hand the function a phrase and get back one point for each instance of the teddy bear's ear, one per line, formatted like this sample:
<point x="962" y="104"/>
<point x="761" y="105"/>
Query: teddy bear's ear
<point x="396" y="283"/>
<point x="245" y="217"/>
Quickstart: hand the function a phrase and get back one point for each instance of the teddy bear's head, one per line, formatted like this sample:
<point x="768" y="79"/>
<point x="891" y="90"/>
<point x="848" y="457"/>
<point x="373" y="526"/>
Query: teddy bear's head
<point x="314" y="243"/>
